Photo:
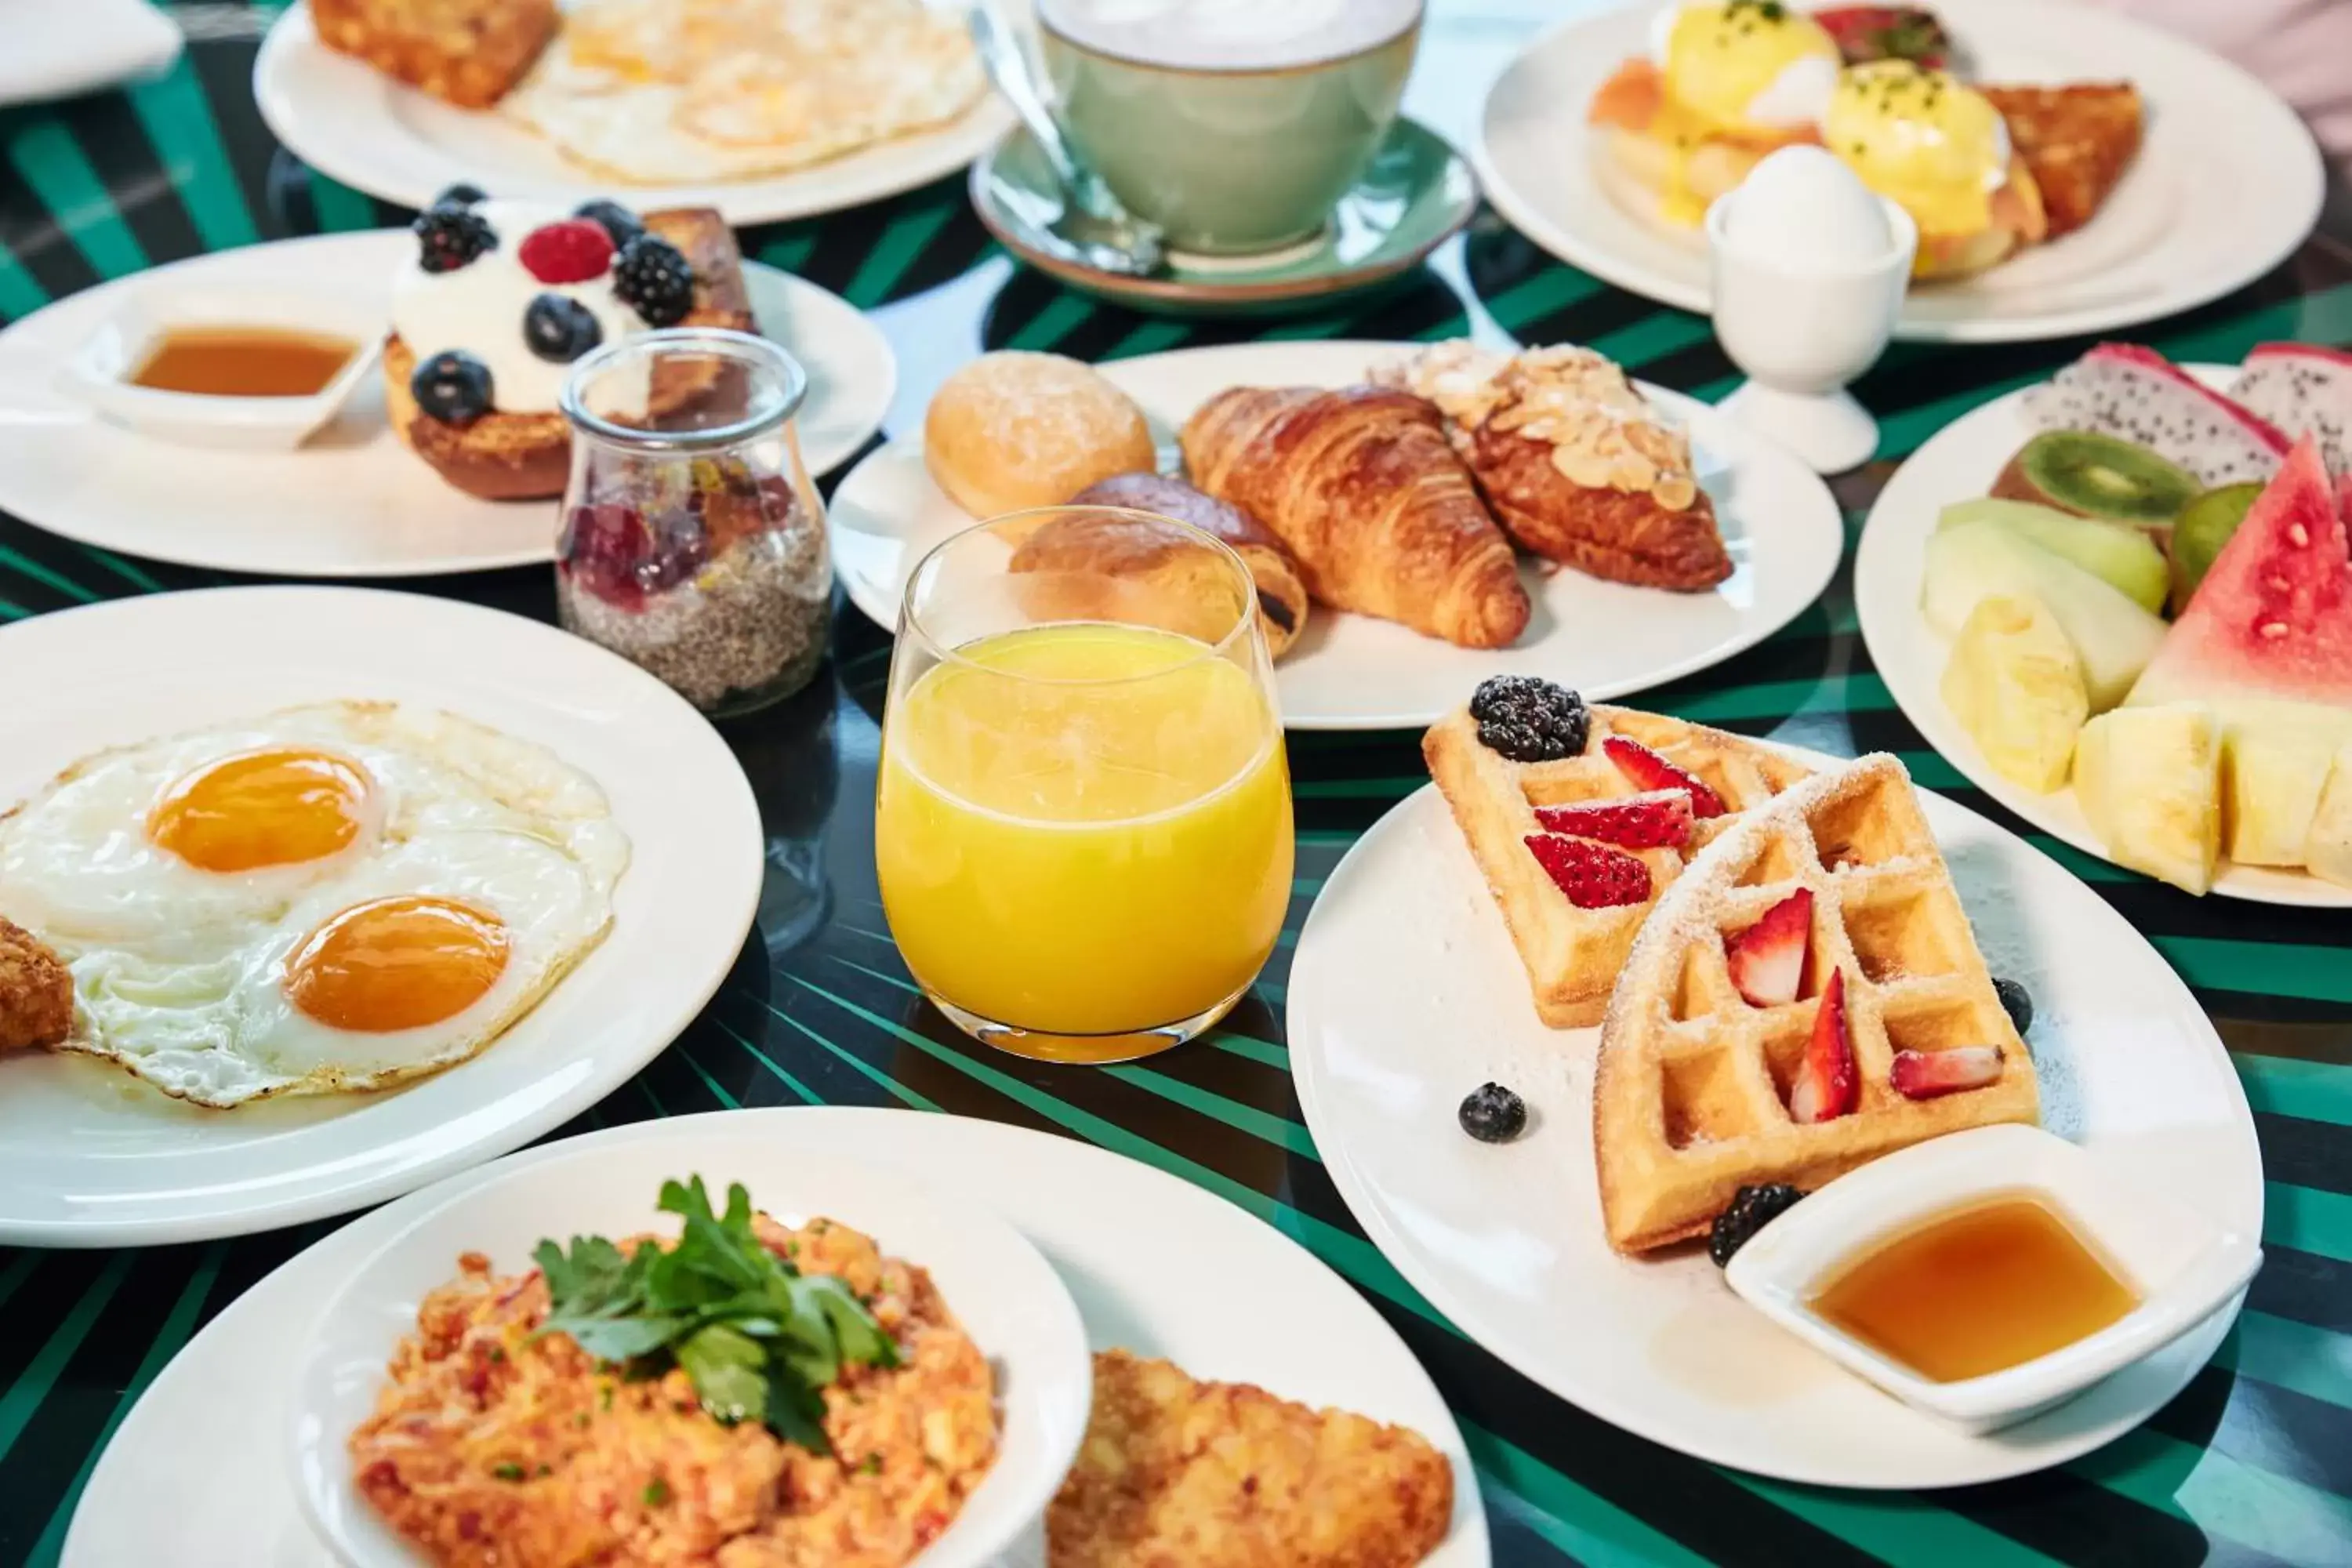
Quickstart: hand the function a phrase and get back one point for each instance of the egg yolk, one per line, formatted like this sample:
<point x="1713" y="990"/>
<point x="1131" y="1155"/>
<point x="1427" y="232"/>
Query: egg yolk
<point x="397" y="963"/>
<point x="1922" y="139"/>
<point x="1720" y="60"/>
<point x="261" y="808"/>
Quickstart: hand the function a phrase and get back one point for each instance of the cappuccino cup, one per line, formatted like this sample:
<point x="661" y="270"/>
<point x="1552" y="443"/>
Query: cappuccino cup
<point x="1234" y="125"/>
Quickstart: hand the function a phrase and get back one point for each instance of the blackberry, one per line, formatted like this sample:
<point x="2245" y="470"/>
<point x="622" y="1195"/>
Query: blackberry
<point x="1492" y="1114"/>
<point x="450" y="238"/>
<point x="1529" y="720"/>
<point x="1752" y="1208"/>
<point x="652" y="279"/>
<point x="611" y="217"/>
<point x="559" y="329"/>
<point x="452" y="387"/>
<point x="460" y="194"/>
<point x="2017" y="1001"/>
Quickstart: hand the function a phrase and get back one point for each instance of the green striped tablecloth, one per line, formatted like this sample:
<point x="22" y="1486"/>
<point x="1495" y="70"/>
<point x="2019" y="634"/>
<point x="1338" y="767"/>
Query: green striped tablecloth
<point x="2252" y="1464"/>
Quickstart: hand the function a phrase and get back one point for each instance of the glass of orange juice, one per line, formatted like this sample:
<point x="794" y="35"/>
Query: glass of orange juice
<point x="1082" y="827"/>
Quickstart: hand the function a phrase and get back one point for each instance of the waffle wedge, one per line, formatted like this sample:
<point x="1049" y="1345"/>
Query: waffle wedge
<point x="1572" y="954"/>
<point x="1693" y="1085"/>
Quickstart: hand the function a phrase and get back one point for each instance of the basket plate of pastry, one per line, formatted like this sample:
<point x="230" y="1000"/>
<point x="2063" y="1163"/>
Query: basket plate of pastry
<point x="2086" y="182"/>
<point x="1416" y="517"/>
<point x="1639" y="925"/>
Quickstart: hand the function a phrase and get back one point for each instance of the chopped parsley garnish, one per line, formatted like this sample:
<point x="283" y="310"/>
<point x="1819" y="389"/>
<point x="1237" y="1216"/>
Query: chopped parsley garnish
<point x="656" y="1493"/>
<point x="760" y="1339"/>
<point x="509" y="1471"/>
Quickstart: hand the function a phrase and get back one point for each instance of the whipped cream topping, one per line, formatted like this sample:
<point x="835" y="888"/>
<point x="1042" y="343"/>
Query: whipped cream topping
<point x="1602" y="433"/>
<point x="478" y="309"/>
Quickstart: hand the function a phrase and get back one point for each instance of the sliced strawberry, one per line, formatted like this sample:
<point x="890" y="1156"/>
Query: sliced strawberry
<point x="1866" y="32"/>
<point x="1828" y="1084"/>
<point x="1923" y="1075"/>
<point x="572" y="251"/>
<point x="1768" y="958"/>
<point x="1593" y="875"/>
<point x="1660" y="820"/>
<point x="1648" y="769"/>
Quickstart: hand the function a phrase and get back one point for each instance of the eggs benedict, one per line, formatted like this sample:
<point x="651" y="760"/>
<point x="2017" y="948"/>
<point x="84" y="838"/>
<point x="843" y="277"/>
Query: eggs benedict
<point x="1941" y="152"/>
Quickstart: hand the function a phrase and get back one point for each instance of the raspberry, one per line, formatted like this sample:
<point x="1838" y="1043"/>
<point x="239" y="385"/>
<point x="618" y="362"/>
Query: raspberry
<point x="572" y="251"/>
<point x="1593" y="875"/>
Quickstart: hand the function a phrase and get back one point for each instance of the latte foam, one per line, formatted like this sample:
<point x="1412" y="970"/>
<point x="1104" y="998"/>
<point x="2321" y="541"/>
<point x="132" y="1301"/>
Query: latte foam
<point x="1229" y="34"/>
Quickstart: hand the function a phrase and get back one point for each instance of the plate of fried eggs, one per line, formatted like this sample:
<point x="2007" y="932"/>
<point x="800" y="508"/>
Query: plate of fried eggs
<point x="353" y="889"/>
<point x="1603" y="140"/>
<point x="765" y="110"/>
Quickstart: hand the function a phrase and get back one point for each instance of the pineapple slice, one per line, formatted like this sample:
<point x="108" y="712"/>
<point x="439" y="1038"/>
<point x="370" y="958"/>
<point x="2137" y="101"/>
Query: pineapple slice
<point x="2015" y="683"/>
<point x="2328" y="849"/>
<point x="2150" y="781"/>
<point x="2272" y="775"/>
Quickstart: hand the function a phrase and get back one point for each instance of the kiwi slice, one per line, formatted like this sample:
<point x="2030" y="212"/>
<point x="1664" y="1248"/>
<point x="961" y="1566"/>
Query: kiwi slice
<point x="2204" y="526"/>
<point x="2092" y="474"/>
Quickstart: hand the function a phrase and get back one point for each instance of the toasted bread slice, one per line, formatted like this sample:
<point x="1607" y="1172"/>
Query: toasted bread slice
<point x="527" y="456"/>
<point x="468" y="52"/>
<point x="2077" y="140"/>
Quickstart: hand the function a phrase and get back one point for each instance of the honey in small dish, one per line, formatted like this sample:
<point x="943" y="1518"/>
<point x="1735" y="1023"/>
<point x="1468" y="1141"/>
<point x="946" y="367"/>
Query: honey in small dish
<point x="244" y="361"/>
<point x="1976" y="1289"/>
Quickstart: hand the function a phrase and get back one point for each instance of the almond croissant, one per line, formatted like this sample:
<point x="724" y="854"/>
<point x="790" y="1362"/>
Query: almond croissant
<point x="1362" y="487"/>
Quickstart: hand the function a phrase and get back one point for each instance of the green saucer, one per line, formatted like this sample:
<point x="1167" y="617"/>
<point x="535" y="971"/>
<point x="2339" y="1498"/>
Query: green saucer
<point x="1417" y="194"/>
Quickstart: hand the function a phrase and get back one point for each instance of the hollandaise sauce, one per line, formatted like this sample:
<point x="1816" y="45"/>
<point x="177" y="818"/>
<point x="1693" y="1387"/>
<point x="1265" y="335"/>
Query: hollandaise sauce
<point x="1922" y="140"/>
<point x="1976" y="1289"/>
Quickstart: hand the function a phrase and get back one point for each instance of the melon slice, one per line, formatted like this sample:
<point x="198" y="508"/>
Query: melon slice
<point x="2272" y="620"/>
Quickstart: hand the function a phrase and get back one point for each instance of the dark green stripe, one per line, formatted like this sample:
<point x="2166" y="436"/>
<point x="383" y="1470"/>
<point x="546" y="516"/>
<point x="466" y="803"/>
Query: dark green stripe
<point x="1784" y="699"/>
<point x="790" y="255"/>
<point x="1265" y="1053"/>
<point x="178" y="1324"/>
<point x="1553" y="289"/>
<point x="2261" y="968"/>
<point x="718" y="1092"/>
<point x="179" y="123"/>
<point x="339" y="208"/>
<point x="1652" y="337"/>
<point x="807" y="1095"/>
<point x="894" y="252"/>
<point x="1589" y="1528"/>
<point x="889" y="1085"/>
<point x="1062" y="314"/>
<point x="2290" y="1086"/>
<point x="1150" y="338"/>
<point x="123" y="569"/>
<point x="44" y="152"/>
<point x="2308" y="1219"/>
<point x="24" y="566"/>
<point x="2288" y="1521"/>
<point x="2288" y="1354"/>
<point x="22" y="1400"/>
<point x="1896" y="1527"/>
<point x="20" y="294"/>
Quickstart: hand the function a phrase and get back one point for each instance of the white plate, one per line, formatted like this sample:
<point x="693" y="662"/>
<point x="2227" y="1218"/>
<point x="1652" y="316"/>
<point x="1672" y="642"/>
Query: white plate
<point x="1391" y="1021"/>
<point x="2227" y="185"/>
<point x="354" y="502"/>
<point x="347" y="119"/>
<point x="1153" y="1262"/>
<point x="1961" y="461"/>
<point x="1003" y="1294"/>
<point x="1353" y="672"/>
<point x="88" y="1158"/>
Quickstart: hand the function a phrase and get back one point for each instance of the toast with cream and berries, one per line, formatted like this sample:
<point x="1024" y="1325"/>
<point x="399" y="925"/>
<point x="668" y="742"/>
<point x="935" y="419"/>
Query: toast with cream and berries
<point x="505" y="295"/>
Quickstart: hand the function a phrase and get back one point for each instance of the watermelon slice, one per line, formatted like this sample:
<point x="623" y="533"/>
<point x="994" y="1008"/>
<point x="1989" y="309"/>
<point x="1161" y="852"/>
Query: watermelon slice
<point x="2272" y="620"/>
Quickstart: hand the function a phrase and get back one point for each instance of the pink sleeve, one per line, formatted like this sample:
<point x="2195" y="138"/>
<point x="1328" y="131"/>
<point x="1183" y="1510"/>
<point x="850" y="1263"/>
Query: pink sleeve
<point x="2303" y="48"/>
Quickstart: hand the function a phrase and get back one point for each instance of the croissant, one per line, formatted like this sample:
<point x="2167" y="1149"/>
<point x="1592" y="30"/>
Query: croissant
<point x="1381" y="514"/>
<point x="1282" y="598"/>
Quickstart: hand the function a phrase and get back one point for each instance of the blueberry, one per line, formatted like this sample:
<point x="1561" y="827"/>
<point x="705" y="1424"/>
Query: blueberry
<point x="460" y="194"/>
<point x="559" y="329"/>
<point x="615" y="219"/>
<point x="2018" y="1001"/>
<point x="453" y="387"/>
<point x="1752" y="1208"/>
<point x="1492" y="1114"/>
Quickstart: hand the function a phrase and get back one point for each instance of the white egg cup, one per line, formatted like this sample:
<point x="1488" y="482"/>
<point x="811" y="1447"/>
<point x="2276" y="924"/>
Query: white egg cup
<point x="1802" y="333"/>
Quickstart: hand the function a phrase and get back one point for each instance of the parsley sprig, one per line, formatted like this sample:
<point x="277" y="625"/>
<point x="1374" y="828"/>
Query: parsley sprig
<point x="760" y="1339"/>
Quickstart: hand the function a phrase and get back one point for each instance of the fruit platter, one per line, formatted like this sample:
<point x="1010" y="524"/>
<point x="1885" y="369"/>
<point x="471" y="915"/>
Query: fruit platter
<point x="2120" y="603"/>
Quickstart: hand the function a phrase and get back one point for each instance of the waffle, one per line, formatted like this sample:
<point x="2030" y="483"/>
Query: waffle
<point x="1691" y="1088"/>
<point x="1572" y="955"/>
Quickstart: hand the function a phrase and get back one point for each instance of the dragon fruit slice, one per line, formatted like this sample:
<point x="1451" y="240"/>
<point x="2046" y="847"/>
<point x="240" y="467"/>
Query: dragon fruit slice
<point x="2305" y="390"/>
<point x="2134" y="393"/>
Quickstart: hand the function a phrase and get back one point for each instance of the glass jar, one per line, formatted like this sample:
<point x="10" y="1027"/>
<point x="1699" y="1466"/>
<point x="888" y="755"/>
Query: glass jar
<point x="693" y="543"/>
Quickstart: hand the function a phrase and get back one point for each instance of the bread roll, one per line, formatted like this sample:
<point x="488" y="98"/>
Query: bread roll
<point x="1281" y="596"/>
<point x="1012" y="430"/>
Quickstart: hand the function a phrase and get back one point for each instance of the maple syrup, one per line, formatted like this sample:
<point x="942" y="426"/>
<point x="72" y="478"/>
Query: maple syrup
<point x="1976" y="1289"/>
<point x="244" y="361"/>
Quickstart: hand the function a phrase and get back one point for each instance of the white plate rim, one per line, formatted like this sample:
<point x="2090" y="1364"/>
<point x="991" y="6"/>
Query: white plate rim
<point x="119" y="1486"/>
<point x="893" y="167"/>
<point x="1355" y="1189"/>
<point x="864" y="405"/>
<point x="696" y="764"/>
<point x="1043" y="1358"/>
<point x="1319" y="361"/>
<point x="1560" y="236"/>
<point x="1900" y="642"/>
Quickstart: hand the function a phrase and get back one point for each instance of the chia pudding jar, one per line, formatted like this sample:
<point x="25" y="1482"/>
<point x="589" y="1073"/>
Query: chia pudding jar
<point x="693" y="543"/>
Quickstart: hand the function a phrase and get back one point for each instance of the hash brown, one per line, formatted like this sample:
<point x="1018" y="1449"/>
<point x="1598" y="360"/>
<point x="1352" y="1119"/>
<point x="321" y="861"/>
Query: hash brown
<point x="37" y="995"/>
<point x="1176" y="1473"/>
<point x="2076" y="140"/>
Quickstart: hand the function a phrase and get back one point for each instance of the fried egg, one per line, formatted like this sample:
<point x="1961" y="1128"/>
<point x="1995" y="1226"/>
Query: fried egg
<point x="651" y="92"/>
<point x="330" y="897"/>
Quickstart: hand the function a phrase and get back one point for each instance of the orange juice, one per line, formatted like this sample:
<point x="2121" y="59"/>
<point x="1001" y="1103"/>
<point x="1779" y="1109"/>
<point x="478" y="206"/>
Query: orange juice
<point x="1084" y="829"/>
